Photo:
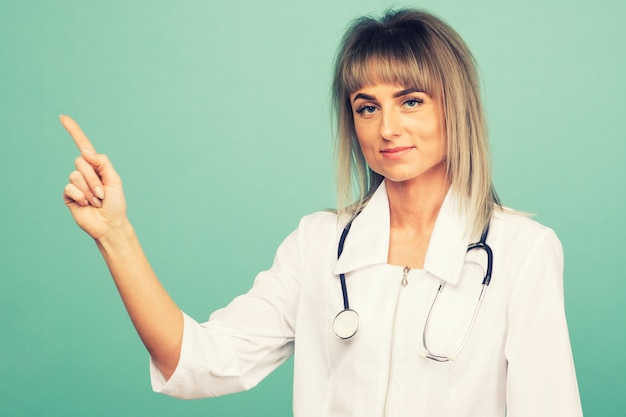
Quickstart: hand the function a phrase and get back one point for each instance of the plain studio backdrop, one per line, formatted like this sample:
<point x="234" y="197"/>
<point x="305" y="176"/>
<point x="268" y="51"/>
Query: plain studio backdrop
<point x="216" y="114"/>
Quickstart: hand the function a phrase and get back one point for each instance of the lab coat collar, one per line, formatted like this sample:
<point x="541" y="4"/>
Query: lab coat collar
<point x="368" y="241"/>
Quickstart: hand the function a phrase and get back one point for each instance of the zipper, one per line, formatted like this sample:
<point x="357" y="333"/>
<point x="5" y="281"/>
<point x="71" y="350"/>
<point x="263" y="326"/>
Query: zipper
<point x="405" y="273"/>
<point x="403" y="283"/>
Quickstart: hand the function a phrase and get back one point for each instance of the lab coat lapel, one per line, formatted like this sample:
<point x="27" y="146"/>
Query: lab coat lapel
<point x="368" y="240"/>
<point x="448" y="243"/>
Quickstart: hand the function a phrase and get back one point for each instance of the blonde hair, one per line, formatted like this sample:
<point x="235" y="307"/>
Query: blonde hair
<point x="414" y="49"/>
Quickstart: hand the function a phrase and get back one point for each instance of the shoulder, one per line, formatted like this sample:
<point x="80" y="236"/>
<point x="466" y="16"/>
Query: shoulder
<point x="319" y="219"/>
<point x="527" y="255"/>
<point x="521" y="234"/>
<point x="316" y="237"/>
<point x="321" y="225"/>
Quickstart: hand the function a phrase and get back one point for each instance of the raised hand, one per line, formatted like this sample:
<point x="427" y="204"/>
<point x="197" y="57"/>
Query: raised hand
<point x="94" y="193"/>
<point x="95" y="198"/>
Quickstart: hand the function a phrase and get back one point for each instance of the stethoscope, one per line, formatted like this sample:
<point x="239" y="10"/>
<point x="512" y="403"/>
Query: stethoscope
<point x="346" y="322"/>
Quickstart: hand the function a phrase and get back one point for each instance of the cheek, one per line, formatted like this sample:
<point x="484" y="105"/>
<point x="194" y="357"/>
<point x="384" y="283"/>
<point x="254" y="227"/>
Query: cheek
<point x="366" y="149"/>
<point x="359" y="136"/>
<point x="443" y="141"/>
<point x="366" y="145"/>
<point x="364" y="133"/>
<point x="440" y="148"/>
<point x="436" y="135"/>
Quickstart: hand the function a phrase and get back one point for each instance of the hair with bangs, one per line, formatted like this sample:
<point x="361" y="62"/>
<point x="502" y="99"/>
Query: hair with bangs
<point x="414" y="49"/>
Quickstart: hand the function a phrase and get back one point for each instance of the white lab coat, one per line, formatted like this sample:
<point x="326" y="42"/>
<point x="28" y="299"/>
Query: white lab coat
<point x="517" y="360"/>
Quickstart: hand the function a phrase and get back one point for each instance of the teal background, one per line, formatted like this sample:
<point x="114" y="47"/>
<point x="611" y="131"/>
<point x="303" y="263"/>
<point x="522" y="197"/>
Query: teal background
<point x="216" y="114"/>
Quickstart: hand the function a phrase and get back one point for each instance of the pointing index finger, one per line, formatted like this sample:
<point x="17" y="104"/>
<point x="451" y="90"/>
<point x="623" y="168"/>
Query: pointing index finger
<point x="80" y="139"/>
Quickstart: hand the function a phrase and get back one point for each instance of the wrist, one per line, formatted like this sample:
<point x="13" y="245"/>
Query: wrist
<point x="117" y="236"/>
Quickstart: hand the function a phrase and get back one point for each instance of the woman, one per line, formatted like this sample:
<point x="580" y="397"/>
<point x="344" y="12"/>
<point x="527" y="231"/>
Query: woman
<point x="411" y="133"/>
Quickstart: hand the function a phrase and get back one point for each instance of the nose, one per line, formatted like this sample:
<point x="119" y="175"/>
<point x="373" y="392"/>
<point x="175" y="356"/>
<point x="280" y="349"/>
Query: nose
<point x="390" y="125"/>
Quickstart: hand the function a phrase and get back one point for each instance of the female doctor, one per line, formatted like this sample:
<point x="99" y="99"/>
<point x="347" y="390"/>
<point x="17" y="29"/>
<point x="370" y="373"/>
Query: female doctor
<point x="422" y="296"/>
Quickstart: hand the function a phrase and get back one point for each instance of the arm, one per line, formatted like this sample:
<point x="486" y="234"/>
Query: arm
<point x="541" y="379"/>
<point x="95" y="199"/>
<point x="245" y="341"/>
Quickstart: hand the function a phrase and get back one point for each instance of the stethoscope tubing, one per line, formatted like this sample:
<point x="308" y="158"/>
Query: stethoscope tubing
<point x="342" y="276"/>
<point x="350" y="316"/>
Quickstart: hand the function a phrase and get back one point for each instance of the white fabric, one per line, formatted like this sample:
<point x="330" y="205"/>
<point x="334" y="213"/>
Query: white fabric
<point x="517" y="360"/>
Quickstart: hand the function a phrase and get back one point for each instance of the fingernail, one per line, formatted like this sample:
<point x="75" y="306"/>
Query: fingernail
<point x="87" y="151"/>
<point x="99" y="193"/>
<point x="96" y="202"/>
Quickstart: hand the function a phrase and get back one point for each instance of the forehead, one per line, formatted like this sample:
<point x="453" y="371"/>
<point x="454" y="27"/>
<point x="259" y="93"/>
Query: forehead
<point x="404" y="73"/>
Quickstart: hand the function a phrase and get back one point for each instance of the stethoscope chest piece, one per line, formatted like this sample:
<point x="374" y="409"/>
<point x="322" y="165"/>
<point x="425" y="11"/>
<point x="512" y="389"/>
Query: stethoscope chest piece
<point x="346" y="324"/>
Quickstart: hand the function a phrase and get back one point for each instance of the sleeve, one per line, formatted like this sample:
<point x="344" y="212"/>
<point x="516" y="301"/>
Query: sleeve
<point x="541" y="379"/>
<point x="243" y="342"/>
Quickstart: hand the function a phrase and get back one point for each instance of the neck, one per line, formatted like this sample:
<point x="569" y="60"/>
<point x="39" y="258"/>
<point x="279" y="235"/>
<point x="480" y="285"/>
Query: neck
<point x="415" y="204"/>
<point x="413" y="208"/>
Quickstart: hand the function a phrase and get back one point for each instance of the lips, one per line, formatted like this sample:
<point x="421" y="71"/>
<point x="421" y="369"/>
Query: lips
<point x="396" y="153"/>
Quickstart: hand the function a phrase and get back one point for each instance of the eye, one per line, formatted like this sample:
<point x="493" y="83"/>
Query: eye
<point x="365" y="110"/>
<point x="412" y="103"/>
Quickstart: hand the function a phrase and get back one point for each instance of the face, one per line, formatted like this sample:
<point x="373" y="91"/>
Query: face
<point x="401" y="131"/>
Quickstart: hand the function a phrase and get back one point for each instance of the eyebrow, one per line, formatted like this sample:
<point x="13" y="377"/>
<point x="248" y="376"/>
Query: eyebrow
<point x="364" y="97"/>
<point x="408" y="91"/>
<point x="396" y="95"/>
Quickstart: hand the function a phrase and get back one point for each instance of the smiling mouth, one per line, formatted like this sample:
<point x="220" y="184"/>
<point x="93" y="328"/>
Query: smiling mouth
<point x="396" y="150"/>
<point x="396" y="153"/>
